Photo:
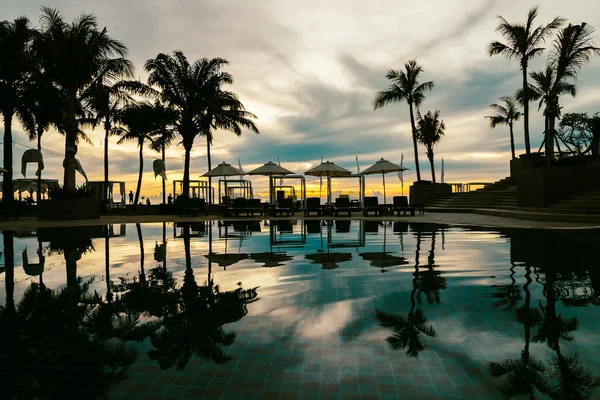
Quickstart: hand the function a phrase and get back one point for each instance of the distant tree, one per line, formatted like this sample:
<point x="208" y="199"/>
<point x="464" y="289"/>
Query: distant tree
<point x="429" y="132"/>
<point x="580" y="131"/>
<point x="523" y="42"/>
<point x="506" y="114"/>
<point x="15" y="70"/>
<point x="405" y="86"/>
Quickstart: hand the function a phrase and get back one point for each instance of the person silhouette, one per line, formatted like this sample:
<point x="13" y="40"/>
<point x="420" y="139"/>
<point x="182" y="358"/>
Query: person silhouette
<point x="130" y="197"/>
<point x="170" y="199"/>
<point x="148" y="201"/>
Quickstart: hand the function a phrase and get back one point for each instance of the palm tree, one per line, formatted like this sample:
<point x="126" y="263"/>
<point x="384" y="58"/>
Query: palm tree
<point x="189" y="90"/>
<point x="75" y="56"/>
<point x="405" y="86"/>
<point x="137" y="122"/>
<point x="15" y="71"/>
<point x="523" y="42"/>
<point x="572" y="48"/>
<point x="429" y="132"/>
<point x="506" y="114"/>
<point x="164" y="119"/>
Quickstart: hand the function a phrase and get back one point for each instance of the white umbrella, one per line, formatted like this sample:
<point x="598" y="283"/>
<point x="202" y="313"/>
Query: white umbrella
<point x="269" y="169"/>
<point x="383" y="167"/>
<point x="328" y="169"/>
<point x="224" y="170"/>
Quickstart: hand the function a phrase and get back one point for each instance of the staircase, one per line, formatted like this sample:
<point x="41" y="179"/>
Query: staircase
<point x="501" y="194"/>
<point x="587" y="202"/>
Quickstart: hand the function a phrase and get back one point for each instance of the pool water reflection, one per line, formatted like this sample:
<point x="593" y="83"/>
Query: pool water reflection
<point x="286" y="309"/>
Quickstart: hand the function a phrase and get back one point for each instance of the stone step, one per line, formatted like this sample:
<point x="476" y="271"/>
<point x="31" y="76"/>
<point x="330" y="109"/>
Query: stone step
<point x="550" y="210"/>
<point x="540" y="216"/>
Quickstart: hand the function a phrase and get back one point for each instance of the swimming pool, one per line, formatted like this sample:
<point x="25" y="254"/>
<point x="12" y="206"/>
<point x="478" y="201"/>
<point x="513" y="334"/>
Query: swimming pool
<point x="298" y="309"/>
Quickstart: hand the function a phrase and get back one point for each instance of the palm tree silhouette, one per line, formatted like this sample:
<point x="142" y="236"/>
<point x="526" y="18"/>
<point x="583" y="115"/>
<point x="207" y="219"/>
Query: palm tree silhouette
<point x="429" y="132"/>
<point x="406" y="86"/>
<point x="138" y="122"/>
<point x="523" y="42"/>
<point x="508" y="295"/>
<point x="430" y="281"/>
<point x="75" y="56"/>
<point x="506" y="114"/>
<point x="407" y="329"/>
<point x="14" y="41"/>
<point x="164" y="119"/>
<point x="524" y="375"/>
<point x="189" y="90"/>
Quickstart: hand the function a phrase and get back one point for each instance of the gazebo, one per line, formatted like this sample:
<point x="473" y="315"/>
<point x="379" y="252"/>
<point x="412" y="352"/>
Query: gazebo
<point x="97" y="188"/>
<point x="31" y="186"/>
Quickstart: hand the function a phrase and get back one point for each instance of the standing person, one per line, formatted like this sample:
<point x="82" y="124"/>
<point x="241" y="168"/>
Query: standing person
<point x="148" y="201"/>
<point x="131" y="197"/>
<point x="170" y="199"/>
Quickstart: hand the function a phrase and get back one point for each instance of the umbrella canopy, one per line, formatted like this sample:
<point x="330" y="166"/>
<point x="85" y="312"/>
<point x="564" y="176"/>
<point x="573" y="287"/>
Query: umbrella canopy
<point x="383" y="167"/>
<point x="224" y="169"/>
<point x="383" y="259"/>
<point x="269" y="169"/>
<point x="329" y="260"/>
<point x="226" y="260"/>
<point x="328" y="169"/>
<point x="3" y="171"/>
<point x="271" y="259"/>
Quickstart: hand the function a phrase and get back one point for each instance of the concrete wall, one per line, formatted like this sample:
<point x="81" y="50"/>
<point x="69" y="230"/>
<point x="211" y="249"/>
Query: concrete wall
<point x="423" y="193"/>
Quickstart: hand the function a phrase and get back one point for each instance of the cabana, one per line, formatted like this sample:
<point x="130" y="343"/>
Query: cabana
<point x="347" y="240"/>
<point x="31" y="186"/>
<point x="280" y="188"/>
<point x="361" y="187"/>
<point x="236" y="188"/>
<point x="198" y="189"/>
<point x="281" y="228"/>
<point x="97" y="188"/>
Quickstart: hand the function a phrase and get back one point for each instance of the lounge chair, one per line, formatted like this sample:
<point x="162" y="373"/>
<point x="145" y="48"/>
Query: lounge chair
<point x="192" y="207"/>
<point x="342" y="226"/>
<point x="371" y="226"/>
<point x="371" y="204"/>
<point x="312" y="226"/>
<point x="239" y="205"/>
<point x="285" y="205"/>
<point x="254" y="205"/>
<point x="401" y="204"/>
<point x="342" y="204"/>
<point x="313" y="204"/>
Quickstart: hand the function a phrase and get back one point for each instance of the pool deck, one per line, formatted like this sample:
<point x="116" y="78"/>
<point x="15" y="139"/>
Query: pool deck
<point x="456" y="219"/>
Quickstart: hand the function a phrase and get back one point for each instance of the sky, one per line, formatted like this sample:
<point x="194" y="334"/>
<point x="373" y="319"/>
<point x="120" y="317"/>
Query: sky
<point x="310" y="71"/>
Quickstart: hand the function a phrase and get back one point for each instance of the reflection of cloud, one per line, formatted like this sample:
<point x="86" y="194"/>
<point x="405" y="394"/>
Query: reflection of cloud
<point x="326" y="322"/>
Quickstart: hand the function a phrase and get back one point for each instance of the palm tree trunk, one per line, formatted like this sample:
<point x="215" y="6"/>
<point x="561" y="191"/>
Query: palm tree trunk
<point x="7" y="187"/>
<point x="432" y="167"/>
<point x="107" y="266"/>
<point x="550" y="134"/>
<point x="141" y="240"/>
<point x="71" y="258"/>
<point x="9" y="264"/>
<point x="40" y="132"/>
<point x="139" y="183"/>
<point x="70" y="147"/>
<point x="209" y="167"/>
<point x="106" y="132"/>
<point x="526" y="109"/>
<point x="414" y="138"/>
<point x="164" y="196"/>
<point x="512" y="141"/>
<point x="186" y="173"/>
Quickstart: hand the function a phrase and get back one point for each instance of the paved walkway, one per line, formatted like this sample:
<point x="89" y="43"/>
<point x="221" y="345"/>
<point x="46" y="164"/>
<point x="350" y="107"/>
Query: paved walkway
<point x="458" y="219"/>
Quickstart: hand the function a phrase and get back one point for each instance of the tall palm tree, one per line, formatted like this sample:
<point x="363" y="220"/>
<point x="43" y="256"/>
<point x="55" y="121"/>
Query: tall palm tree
<point x="429" y="132"/>
<point x="506" y="114"/>
<point x="164" y="119"/>
<point x="523" y="42"/>
<point x="572" y="48"/>
<point x="405" y="86"/>
<point x="189" y="89"/>
<point x="137" y="122"/>
<point x="224" y="111"/>
<point x="76" y="56"/>
<point x="15" y="70"/>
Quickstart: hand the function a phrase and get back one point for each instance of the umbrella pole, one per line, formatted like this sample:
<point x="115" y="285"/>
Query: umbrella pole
<point x="384" y="197"/>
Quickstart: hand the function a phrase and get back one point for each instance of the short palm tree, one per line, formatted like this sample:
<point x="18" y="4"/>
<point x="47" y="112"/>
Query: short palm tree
<point x="137" y="122"/>
<point x="76" y="56"/>
<point x="190" y="90"/>
<point x="523" y="42"/>
<point x="430" y="130"/>
<point x="572" y="48"/>
<point x="506" y="114"/>
<point x="406" y="86"/>
<point x="15" y="71"/>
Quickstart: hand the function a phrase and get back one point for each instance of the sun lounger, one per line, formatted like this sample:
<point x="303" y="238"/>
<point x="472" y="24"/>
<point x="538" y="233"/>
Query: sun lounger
<point x="9" y="213"/>
<point x="193" y="208"/>
<point x="342" y="204"/>
<point x="313" y="204"/>
<point x="371" y="204"/>
<point x="342" y="226"/>
<point x="285" y="205"/>
<point x="401" y="204"/>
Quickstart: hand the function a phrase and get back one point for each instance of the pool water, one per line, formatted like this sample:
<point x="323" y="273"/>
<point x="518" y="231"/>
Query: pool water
<point x="298" y="309"/>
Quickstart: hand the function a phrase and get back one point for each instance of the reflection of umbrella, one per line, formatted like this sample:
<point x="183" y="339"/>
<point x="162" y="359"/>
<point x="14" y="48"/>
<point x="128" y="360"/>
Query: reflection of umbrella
<point x="271" y="259"/>
<point x="383" y="167"/>
<point x="383" y="259"/>
<point x="224" y="170"/>
<point x="328" y="169"/>
<point x="329" y="260"/>
<point x="269" y="169"/>
<point x="225" y="260"/>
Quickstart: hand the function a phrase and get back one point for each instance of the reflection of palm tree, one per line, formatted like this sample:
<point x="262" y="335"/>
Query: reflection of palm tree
<point x="525" y="374"/>
<point x="508" y="295"/>
<point x="194" y="326"/>
<point x="568" y="378"/>
<point x="430" y="281"/>
<point x="407" y="329"/>
<point x="9" y="265"/>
